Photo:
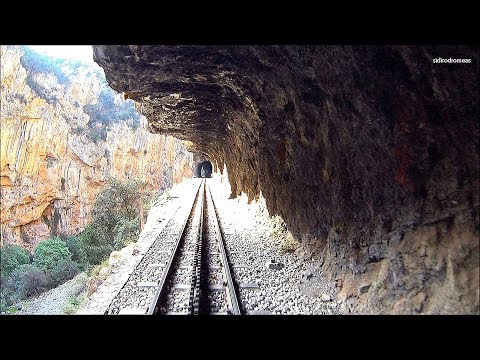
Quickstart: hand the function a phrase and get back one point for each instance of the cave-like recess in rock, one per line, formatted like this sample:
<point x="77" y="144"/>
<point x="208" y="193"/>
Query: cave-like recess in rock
<point x="345" y="139"/>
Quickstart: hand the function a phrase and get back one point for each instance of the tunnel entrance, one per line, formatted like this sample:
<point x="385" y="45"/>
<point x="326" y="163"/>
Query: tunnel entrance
<point x="203" y="169"/>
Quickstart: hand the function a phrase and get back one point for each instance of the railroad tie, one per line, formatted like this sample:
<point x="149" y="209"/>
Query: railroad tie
<point x="132" y="311"/>
<point x="146" y="284"/>
<point x="216" y="287"/>
<point x="175" y="313"/>
<point x="155" y="265"/>
<point x="259" y="312"/>
<point x="241" y="266"/>
<point x="186" y="267"/>
<point x="181" y="287"/>
<point x="249" y="286"/>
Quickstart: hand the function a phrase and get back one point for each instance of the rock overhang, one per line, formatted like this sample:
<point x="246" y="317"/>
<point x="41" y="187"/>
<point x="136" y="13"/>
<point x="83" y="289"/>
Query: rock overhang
<point x="343" y="137"/>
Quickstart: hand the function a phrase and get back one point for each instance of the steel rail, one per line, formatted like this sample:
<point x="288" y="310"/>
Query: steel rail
<point x="166" y="273"/>
<point x="194" y="301"/>
<point x="231" y="284"/>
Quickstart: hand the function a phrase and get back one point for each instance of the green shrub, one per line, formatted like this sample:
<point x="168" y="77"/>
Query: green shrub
<point x="8" y="290"/>
<point x="106" y="112"/>
<point x="126" y="231"/>
<point x="73" y="304"/>
<point x="52" y="265"/>
<point x="73" y="245"/>
<point x="6" y="307"/>
<point x="65" y="270"/>
<point x="94" y="244"/>
<point x="3" y="304"/>
<point x="32" y="281"/>
<point x="12" y="256"/>
<point x="119" y="200"/>
<point x="114" y="217"/>
<point x="49" y="252"/>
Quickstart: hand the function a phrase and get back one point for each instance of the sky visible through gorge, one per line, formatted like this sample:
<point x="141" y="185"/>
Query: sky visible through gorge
<point x="83" y="53"/>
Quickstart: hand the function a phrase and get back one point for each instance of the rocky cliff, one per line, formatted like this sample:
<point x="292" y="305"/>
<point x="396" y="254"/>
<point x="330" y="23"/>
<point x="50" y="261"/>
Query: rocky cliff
<point x="64" y="133"/>
<point x="369" y="153"/>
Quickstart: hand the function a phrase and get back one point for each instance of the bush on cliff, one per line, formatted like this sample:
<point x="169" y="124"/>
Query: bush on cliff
<point x="65" y="270"/>
<point x="115" y="221"/>
<point x="26" y="281"/>
<point x="52" y="265"/>
<point x="12" y="256"/>
<point x="94" y="244"/>
<point x="9" y="288"/>
<point x="73" y="245"/>
<point x="126" y="231"/>
<point x="49" y="252"/>
<point x="32" y="281"/>
<point x="119" y="200"/>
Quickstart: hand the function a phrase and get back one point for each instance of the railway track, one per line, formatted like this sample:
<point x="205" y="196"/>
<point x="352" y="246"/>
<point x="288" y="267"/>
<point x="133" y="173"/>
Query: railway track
<point x="187" y="270"/>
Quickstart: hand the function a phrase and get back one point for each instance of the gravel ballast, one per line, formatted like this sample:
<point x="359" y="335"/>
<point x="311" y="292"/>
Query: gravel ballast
<point x="252" y="243"/>
<point x="273" y="281"/>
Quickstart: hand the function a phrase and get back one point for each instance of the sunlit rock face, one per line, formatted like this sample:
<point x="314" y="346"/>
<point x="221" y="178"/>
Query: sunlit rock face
<point x="57" y="152"/>
<point x="357" y="147"/>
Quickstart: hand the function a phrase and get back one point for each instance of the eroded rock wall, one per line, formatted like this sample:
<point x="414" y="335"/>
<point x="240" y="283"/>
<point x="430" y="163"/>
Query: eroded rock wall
<point x="51" y="166"/>
<point x="365" y="151"/>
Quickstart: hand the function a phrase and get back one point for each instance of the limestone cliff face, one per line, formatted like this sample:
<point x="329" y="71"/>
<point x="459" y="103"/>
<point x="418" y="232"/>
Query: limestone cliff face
<point x="369" y="153"/>
<point x="59" y="146"/>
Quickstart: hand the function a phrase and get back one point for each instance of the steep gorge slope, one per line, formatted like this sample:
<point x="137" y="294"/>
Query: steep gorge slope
<point x="64" y="133"/>
<point x="369" y="153"/>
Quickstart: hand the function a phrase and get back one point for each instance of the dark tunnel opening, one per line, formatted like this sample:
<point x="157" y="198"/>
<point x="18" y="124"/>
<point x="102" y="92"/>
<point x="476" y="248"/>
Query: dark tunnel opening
<point x="204" y="169"/>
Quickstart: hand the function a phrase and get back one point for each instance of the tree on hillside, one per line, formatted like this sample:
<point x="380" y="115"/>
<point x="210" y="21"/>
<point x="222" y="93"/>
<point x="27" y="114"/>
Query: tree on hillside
<point x="49" y="252"/>
<point x="12" y="256"/>
<point x="114" y="220"/>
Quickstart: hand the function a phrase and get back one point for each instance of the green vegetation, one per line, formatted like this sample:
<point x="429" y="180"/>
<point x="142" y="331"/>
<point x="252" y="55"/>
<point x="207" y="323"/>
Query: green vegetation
<point x="23" y="276"/>
<point x="49" y="252"/>
<point x="65" y="270"/>
<point x="74" y="303"/>
<point x="115" y="220"/>
<point x="12" y="257"/>
<point x="103" y="113"/>
<point x="79" y="130"/>
<point x="115" y="224"/>
<point x="126" y="231"/>
<point x="72" y="306"/>
<point x="45" y="220"/>
<point x="73" y="246"/>
<point x="12" y="309"/>
<point x="378" y="284"/>
<point x="95" y="244"/>
<point x="31" y="281"/>
<point x="106" y="112"/>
